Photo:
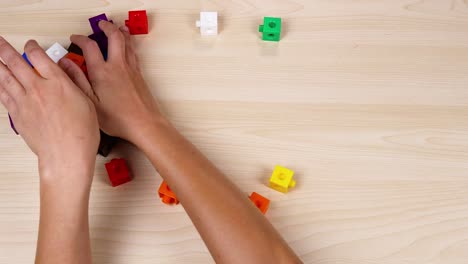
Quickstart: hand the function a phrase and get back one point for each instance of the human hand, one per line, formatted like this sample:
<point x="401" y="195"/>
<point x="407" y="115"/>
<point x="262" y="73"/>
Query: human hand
<point x="54" y="117"/>
<point x="123" y="100"/>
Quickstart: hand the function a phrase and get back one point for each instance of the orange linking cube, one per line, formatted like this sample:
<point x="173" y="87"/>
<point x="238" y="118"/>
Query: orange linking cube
<point x="261" y="202"/>
<point x="166" y="194"/>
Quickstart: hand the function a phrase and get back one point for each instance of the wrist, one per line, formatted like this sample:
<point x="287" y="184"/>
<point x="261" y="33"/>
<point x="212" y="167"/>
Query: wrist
<point x="67" y="175"/>
<point x="143" y="136"/>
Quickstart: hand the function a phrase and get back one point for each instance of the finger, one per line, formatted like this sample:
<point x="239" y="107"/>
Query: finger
<point x="10" y="84"/>
<point x="77" y="76"/>
<point x="6" y="100"/>
<point x="91" y="51"/>
<point x="15" y="62"/>
<point x="116" y="40"/>
<point x="129" y="47"/>
<point x="40" y="60"/>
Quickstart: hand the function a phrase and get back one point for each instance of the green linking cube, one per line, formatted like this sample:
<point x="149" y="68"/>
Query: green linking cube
<point x="271" y="29"/>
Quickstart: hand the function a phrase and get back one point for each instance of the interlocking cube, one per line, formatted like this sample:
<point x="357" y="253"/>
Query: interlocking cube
<point x="77" y="59"/>
<point x="94" y="21"/>
<point x="101" y="40"/>
<point x="137" y="22"/>
<point x="106" y="144"/>
<point x="118" y="172"/>
<point x="12" y="125"/>
<point x="25" y="57"/>
<point x="282" y="179"/>
<point x="73" y="48"/>
<point x="260" y="202"/>
<point x="138" y="16"/>
<point x="56" y="52"/>
<point x="208" y="23"/>
<point x="166" y="194"/>
<point x="271" y="29"/>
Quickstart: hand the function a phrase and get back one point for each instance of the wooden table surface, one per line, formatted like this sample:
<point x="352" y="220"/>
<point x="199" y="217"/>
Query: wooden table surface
<point x="365" y="100"/>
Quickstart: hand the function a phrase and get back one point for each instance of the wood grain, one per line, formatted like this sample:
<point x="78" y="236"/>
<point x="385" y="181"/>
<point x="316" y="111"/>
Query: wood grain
<point x="366" y="100"/>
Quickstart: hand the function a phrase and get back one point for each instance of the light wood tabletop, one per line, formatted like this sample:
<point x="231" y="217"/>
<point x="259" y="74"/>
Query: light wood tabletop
<point x="366" y="100"/>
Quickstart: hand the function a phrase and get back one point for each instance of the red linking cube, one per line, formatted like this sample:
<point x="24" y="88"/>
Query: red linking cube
<point x="77" y="59"/>
<point x="137" y="22"/>
<point x="118" y="172"/>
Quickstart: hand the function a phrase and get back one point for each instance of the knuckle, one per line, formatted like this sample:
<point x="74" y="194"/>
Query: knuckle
<point x="3" y="95"/>
<point x="15" y="61"/>
<point x="6" y="99"/>
<point x="8" y="79"/>
<point x="91" y="44"/>
<point x="117" y="35"/>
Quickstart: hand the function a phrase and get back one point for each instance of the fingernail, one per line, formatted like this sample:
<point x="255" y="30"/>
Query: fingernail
<point x="124" y="28"/>
<point x="33" y="41"/>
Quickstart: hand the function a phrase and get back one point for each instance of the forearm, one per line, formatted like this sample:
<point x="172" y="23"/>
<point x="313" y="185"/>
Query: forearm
<point x="232" y="228"/>
<point x="63" y="224"/>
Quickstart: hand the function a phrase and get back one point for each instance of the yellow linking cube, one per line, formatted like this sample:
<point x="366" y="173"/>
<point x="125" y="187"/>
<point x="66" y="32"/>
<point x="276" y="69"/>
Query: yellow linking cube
<point x="282" y="179"/>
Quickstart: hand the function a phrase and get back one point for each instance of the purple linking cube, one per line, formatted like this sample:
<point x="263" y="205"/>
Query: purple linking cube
<point x="101" y="40"/>
<point x="98" y="34"/>
<point x="94" y="21"/>
<point x="12" y="125"/>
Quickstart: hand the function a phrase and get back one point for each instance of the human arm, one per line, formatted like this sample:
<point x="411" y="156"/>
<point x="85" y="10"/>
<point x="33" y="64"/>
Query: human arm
<point x="59" y="124"/>
<point x="230" y="225"/>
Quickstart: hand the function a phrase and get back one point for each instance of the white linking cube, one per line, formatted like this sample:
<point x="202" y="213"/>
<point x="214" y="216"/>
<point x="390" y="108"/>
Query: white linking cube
<point x="208" y="23"/>
<point x="56" y="52"/>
